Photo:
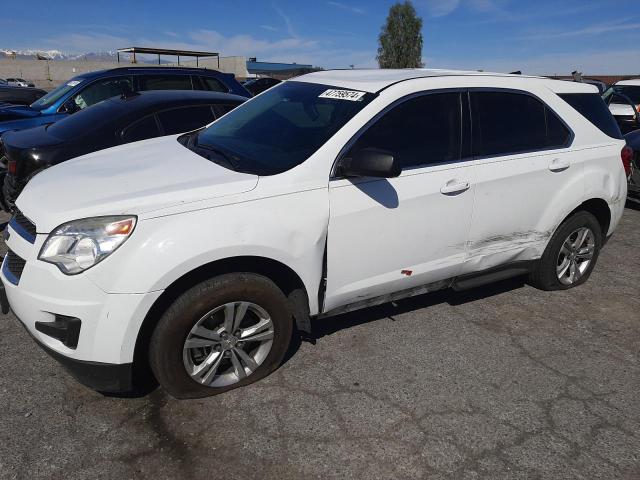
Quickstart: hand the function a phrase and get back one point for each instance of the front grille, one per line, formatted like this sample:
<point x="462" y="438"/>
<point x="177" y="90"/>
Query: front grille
<point x="23" y="226"/>
<point x="13" y="267"/>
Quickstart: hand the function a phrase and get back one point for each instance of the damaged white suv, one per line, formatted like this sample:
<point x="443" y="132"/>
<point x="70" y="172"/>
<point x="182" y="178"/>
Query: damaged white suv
<point x="200" y="255"/>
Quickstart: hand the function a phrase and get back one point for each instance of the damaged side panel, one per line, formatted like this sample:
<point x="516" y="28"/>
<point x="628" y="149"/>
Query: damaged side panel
<point x="520" y="201"/>
<point x="297" y="240"/>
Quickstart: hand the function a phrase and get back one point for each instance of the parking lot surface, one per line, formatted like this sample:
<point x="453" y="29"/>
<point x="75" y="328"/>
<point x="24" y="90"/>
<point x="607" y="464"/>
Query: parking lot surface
<point x="500" y="382"/>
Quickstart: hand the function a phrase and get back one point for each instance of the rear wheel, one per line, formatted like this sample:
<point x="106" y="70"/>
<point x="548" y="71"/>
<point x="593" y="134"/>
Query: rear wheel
<point x="226" y="332"/>
<point x="571" y="254"/>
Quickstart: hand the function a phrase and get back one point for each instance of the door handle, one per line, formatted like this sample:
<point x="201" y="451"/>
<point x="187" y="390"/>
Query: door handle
<point x="453" y="187"/>
<point x="559" y="164"/>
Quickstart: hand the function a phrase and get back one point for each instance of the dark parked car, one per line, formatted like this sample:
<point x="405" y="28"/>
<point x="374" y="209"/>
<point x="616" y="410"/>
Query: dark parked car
<point x="90" y="88"/>
<point x="259" y="85"/>
<point x="116" y="121"/>
<point x="19" y="95"/>
<point x="623" y="99"/>
<point x="599" y="84"/>
<point x="633" y="140"/>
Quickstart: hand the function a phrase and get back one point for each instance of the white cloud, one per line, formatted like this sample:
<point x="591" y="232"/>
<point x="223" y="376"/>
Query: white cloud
<point x="592" y="30"/>
<point x="286" y="19"/>
<point x="440" y="8"/>
<point x="271" y="28"/>
<point x="348" y="8"/>
<point x="591" y="63"/>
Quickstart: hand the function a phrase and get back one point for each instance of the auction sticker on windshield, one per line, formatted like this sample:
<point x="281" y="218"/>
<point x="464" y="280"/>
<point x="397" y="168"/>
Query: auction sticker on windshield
<point x="73" y="83"/>
<point x="350" y="95"/>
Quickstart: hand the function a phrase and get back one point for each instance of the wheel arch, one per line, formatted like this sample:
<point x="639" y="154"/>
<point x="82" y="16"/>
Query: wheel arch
<point x="282" y="275"/>
<point x="599" y="208"/>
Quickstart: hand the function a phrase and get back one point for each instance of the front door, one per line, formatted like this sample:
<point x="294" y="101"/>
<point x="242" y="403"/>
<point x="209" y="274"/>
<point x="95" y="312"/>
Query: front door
<point x="389" y="235"/>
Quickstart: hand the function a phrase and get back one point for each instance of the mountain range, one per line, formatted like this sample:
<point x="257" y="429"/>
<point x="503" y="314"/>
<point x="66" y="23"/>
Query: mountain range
<point x="104" y="56"/>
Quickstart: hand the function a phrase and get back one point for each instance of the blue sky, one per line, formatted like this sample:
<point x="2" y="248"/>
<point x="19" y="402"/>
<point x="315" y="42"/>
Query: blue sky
<point x="541" y="36"/>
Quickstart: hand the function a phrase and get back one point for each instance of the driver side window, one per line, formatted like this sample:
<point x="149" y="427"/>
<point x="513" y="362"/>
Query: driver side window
<point x="101" y="90"/>
<point x="420" y="131"/>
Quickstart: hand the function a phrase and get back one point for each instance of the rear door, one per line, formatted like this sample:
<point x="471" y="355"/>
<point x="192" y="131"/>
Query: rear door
<point x="389" y="235"/>
<point x="524" y="170"/>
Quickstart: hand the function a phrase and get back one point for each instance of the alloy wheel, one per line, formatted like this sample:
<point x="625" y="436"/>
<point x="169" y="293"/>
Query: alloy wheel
<point x="575" y="255"/>
<point x="228" y="344"/>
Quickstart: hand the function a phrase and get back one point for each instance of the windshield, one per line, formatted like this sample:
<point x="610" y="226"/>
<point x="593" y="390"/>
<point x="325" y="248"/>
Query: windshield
<point x="86" y="121"/>
<point x="54" y="95"/>
<point x="631" y="91"/>
<point x="281" y="128"/>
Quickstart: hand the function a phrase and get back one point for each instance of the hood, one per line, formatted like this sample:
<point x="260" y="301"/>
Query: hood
<point x="136" y="178"/>
<point x="621" y="110"/>
<point x="16" y="112"/>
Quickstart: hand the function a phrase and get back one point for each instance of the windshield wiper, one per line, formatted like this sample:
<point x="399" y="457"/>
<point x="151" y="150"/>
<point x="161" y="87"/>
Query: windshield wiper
<point x="226" y="158"/>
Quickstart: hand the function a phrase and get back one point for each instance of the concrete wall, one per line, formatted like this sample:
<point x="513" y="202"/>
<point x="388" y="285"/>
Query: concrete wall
<point x="235" y="65"/>
<point x="49" y="74"/>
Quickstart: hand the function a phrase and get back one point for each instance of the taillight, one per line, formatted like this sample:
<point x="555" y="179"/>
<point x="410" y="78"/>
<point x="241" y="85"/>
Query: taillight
<point x="627" y="156"/>
<point x="11" y="167"/>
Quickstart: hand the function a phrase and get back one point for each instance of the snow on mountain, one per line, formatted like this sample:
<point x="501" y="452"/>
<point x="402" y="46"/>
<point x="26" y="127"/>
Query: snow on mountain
<point x="104" y="56"/>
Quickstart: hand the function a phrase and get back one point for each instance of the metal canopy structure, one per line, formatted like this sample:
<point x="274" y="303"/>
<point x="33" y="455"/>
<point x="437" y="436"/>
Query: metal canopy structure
<point x="166" y="51"/>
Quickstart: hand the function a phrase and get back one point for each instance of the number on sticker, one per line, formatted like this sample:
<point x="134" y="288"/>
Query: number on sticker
<point x="351" y="95"/>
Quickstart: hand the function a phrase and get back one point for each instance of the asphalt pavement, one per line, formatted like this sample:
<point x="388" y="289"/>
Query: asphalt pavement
<point x="500" y="382"/>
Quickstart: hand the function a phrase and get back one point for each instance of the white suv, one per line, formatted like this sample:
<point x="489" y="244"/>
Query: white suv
<point x="200" y="255"/>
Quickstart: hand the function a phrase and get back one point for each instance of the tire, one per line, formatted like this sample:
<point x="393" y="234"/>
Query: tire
<point x="547" y="274"/>
<point x="248" y="301"/>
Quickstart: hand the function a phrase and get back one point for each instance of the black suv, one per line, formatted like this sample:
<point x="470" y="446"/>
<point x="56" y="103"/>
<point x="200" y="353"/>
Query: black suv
<point x="116" y="121"/>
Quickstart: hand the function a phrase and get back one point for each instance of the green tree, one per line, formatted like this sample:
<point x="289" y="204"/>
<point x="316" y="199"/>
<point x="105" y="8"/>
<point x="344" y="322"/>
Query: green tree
<point x="400" y="41"/>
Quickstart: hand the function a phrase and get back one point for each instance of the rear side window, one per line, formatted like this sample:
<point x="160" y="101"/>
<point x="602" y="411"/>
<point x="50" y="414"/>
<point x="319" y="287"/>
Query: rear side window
<point x="213" y="85"/>
<point x="507" y="123"/>
<point x="420" y="131"/>
<point x="592" y="107"/>
<point x="141" y="130"/>
<point x="185" y="119"/>
<point x="165" y="82"/>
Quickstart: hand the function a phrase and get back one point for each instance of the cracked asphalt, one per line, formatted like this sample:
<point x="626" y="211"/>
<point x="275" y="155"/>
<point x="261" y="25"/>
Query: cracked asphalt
<point x="502" y="382"/>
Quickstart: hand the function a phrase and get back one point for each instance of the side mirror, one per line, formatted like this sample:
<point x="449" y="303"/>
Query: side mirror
<point x="370" y="162"/>
<point x="70" y="106"/>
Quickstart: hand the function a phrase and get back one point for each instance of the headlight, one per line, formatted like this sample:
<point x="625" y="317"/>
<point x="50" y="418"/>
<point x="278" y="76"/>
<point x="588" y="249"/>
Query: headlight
<point x="76" y="246"/>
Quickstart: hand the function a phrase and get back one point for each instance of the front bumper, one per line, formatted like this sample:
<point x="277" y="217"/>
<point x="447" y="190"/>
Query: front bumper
<point x="100" y="353"/>
<point x="104" y="377"/>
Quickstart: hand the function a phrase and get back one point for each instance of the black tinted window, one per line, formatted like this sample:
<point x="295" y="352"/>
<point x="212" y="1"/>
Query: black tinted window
<point x="221" y="109"/>
<point x="506" y="123"/>
<point x="419" y="131"/>
<point x="141" y="130"/>
<point x="557" y="133"/>
<point x="632" y="92"/>
<point x="509" y="123"/>
<point x="86" y="121"/>
<point x="165" y="82"/>
<point x="101" y="90"/>
<point x="185" y="119"/>
<point x="213" y="84"/>
<point x="592" y="107"/>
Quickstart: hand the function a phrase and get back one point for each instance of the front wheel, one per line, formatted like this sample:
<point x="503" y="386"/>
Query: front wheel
<point x="224" y="333"/>
<point x="570" y="255"/>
